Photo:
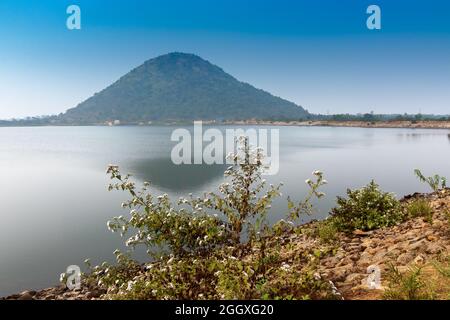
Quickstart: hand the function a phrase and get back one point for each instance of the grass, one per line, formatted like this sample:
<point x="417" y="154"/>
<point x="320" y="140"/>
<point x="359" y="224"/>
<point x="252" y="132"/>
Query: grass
<point x="428" y="282"/>
<point x="420" y="208"/>
<point x="327" y="231"/>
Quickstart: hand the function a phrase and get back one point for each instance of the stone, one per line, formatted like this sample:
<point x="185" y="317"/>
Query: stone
<point x="93" y="294"/>
<point x="354" y="278"/>
<point x="360" y="233"/>
<point x="365" y="259"/>
<point x="379" y="255"/>
<point x="419" y="259"/>
<point x="433" y="248"/>
<point x="405" y="258"/>
<point x="340" y="273"/>
<point x="25" y="296"/>
<point x="419" y="245"/>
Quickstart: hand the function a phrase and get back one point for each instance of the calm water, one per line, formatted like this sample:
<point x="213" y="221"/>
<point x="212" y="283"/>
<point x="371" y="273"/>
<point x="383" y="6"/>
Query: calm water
<point x="54" y="203"/>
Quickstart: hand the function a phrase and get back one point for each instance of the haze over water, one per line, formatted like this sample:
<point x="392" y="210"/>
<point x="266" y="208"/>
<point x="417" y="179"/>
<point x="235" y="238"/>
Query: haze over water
<point x="54" y="202"/>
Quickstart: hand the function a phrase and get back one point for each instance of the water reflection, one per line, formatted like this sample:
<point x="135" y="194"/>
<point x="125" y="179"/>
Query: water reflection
<point x="415" y="137"/>
<point x="164" y="174"/>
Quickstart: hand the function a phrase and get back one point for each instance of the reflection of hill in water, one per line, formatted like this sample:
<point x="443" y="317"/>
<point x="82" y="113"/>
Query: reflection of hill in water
<point x="164" y="174"/>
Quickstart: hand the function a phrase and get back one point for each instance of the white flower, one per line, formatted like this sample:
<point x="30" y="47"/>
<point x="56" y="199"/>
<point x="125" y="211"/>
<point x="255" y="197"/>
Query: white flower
<point x="130" y="285"/>
<point x="285" y="266"/>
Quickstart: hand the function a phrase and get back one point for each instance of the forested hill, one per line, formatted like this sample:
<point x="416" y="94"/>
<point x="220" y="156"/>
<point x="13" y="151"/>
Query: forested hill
<point x="179" y="86"/>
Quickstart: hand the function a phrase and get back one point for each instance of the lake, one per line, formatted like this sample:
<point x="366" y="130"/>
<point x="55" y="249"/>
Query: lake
<point x="55" y="204"/>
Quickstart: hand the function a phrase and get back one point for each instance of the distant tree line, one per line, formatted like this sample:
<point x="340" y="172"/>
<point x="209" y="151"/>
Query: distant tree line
<point x="372" y="117"/>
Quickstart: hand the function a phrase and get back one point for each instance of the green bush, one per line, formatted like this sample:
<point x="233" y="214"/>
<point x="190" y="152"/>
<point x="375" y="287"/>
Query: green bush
<point x="366" y="209"/>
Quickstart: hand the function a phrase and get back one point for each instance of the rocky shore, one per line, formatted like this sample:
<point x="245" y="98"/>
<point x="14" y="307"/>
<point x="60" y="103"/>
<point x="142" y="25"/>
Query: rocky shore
<point x="415" y="242"/>
<point x="355" y="124"/>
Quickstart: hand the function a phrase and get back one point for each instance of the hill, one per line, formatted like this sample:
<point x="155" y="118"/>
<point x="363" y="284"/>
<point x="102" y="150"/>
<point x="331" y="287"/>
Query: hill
<point x="179" y="86"/>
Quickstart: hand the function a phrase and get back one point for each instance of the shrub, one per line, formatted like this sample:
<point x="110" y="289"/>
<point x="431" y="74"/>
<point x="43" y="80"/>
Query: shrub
<point x="420" y="208"/>
<point x="196" y="254"/>
<point x="366" y="209"/>
<point x="158" y="224"/>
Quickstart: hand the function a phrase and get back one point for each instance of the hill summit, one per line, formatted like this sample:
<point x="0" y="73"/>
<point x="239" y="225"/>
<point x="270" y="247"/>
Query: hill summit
<point x="180" y="86"/>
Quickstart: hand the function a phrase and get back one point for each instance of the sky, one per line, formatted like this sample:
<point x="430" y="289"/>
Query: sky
<point x="319" y="54"/>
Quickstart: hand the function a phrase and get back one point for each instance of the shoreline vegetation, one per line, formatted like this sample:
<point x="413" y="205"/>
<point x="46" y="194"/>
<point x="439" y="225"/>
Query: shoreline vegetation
<point x="372" y="246"/>
<point x="407" y="124"/>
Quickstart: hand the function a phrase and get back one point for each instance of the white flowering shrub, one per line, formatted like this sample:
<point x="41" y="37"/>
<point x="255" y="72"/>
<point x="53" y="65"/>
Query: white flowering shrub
<point x="159" y="225"/>
<point x="197" y="245"/>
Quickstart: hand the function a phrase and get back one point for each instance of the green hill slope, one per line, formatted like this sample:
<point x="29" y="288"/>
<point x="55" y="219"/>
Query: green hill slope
<point x="179" y="86"/>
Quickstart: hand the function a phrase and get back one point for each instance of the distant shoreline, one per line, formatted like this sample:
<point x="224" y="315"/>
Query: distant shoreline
<point x="399" y="124"/>
<point x="426" y="124"/>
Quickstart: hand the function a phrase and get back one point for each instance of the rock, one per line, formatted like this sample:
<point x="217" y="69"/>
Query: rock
<point x="438" y="224"/>
<point x="347" y="261"/>
<point x="93" y="294"/>
<point x="433" y="248"/>
<point x="405" y="258"/>
<point x="419" y="259"/>
<point x="360" y="233"/>
<point x="26" y="295"/>
<point x="354" y="257"/>
<point x="365" y="259"/>
<point x="394" y="253"/>
<point x="417" y="245"/>
<point x="340" y="273"/>
<point x="379" y="256"/>
<point x="355" y="278"/>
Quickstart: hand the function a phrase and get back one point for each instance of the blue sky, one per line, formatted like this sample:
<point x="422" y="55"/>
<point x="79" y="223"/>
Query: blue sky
<point x="318" y="54"/>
